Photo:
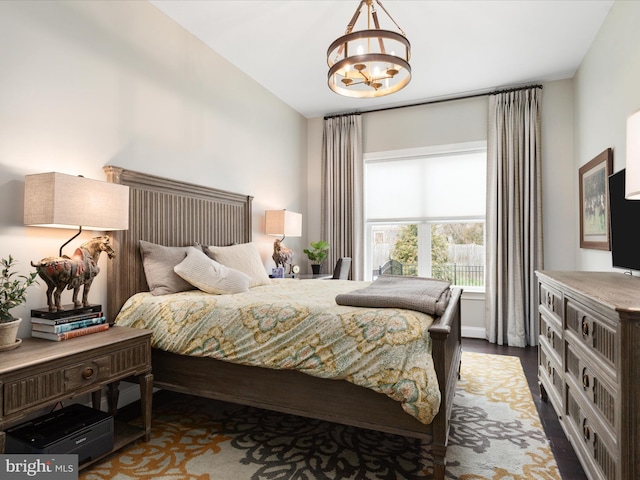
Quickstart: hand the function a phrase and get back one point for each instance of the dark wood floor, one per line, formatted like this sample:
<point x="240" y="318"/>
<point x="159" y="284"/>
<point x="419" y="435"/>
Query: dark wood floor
<point x="568" y="464"/>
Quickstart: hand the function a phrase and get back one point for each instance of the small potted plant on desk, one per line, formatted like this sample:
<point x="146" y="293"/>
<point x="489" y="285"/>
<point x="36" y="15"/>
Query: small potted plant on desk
<point x="317" y="254"/>
<point x="13" y="292"/>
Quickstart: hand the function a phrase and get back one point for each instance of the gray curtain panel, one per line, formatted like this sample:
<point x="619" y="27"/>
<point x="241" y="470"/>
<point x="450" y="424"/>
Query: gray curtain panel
<point x="514" y="217"/>
<point x="342" y="192"/>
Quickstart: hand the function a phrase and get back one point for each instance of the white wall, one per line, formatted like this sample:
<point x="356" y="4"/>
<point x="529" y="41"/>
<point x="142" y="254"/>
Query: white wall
<point x="444" y="123"/>
<point x="607" y="90"/>
<point x="87" y="84"/>
<point x="314" y="179"/>
<point x="559" y="188"/>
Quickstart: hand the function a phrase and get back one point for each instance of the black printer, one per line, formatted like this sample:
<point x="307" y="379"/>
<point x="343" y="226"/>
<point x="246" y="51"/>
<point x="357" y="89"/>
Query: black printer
<point x="76" y="429"/>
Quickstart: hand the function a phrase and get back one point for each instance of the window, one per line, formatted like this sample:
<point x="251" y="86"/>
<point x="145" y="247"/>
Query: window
<point x="425" y="213"/>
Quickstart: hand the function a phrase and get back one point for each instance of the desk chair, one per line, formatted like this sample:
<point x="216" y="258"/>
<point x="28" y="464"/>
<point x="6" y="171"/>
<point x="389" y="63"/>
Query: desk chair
<point x="341" y="270"/>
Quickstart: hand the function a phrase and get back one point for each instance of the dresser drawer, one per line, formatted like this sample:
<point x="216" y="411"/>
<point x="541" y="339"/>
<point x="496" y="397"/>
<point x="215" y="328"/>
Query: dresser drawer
<point x="593" y="331"/>
<point x="592" y="385"/>
<point x="550" y="375"/>
<point x="590" y="438"/>
<point x="551" y="301"/>
<point x="551" y="333"/>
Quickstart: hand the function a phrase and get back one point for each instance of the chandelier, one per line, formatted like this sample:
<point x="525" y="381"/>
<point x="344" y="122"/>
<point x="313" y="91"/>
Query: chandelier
<point x="371" y="62"/>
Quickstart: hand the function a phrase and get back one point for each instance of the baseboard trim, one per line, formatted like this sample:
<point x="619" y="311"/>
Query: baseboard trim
<point x="129" y="393"/>
<point x="474" y="332"/>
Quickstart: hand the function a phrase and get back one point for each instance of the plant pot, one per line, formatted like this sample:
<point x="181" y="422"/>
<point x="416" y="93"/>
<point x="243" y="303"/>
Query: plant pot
<point x="316" y="269"/>
<point x="8" y="333"/>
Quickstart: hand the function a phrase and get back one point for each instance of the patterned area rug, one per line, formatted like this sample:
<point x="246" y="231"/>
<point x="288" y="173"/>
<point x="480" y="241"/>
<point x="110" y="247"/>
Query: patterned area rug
<point x="496" y="434"/>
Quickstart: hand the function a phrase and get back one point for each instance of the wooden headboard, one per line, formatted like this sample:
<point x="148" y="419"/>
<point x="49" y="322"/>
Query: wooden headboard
<point x="172" y="213"/>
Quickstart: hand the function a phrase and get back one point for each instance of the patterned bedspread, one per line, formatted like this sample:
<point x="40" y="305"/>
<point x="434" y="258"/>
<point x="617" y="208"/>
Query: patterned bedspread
<point x="294" y="324"/>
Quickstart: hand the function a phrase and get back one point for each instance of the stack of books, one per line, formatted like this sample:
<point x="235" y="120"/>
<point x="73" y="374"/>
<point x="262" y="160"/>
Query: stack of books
<point x="68" y="323"/>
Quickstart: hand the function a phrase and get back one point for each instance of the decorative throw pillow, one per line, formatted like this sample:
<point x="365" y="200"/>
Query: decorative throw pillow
<point x="244" y="257"/>
<point x="158" y="262"/>
<point x="210" y="276"/>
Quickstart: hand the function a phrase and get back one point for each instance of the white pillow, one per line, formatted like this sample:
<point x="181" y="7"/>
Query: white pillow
<point x="244" y="257"/>
<point x="210" y="276"/>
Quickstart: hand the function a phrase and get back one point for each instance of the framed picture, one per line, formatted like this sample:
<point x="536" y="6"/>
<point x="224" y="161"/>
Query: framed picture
<point x="277" y="272"/>
<point x="594" y="202"/>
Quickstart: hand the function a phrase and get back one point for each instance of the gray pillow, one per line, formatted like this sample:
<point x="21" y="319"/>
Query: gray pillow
<point x="158" y="262"/>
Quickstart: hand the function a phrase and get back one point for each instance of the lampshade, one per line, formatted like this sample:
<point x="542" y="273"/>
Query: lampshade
<point x="632" y="187"/>
<point x="371" y="62"/>
<point x="283" y="223"/>
<point x="67" y="201"/>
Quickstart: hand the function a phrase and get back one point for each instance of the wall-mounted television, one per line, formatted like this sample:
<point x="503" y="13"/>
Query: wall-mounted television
<point x="624" y="222"/>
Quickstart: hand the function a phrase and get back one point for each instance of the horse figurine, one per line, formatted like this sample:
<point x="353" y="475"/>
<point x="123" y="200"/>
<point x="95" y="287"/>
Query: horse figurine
<point x="281" y="254"/>
<point x="74" y="272"/>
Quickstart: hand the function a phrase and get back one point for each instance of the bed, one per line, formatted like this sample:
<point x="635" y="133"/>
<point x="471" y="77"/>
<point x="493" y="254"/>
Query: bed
<point x="173" y="213"/>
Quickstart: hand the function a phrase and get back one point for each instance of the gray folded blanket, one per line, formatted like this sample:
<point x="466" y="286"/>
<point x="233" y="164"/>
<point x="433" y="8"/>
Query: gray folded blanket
<point x="427" y="295"/>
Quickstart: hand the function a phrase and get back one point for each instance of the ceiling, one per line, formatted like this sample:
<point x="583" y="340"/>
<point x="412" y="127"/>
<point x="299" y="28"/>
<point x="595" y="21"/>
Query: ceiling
<point x="457" y="46"/>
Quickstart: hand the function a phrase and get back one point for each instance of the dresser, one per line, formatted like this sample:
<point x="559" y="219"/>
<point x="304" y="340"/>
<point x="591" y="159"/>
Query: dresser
<point x="589" y="366"/>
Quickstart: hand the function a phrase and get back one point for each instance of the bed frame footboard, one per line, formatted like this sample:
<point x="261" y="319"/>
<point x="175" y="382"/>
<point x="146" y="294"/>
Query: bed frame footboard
<point x="447" y="355"/>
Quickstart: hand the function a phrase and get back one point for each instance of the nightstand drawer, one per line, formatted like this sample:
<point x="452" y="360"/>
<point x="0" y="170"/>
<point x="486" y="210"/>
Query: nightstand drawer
<point x="53" y="384"/>
<point x="107" y="368"/>
<point x="80" y="373"/>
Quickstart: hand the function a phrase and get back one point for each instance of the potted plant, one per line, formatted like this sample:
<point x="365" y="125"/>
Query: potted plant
<point x="13" y="292"/>
<point x="317" y="254"/>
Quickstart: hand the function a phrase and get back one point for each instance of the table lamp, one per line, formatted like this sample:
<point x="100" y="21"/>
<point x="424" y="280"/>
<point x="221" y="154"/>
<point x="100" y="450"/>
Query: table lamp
<point x="283" y="223"/>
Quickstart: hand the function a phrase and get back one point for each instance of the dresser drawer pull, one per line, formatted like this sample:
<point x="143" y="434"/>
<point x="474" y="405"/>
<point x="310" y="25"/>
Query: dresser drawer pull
<point x="585" y="327"/>
<point x="550" y="301"/>
<point x="549" y="369"/>
<point x="585" y="379"/>
<point x="586" y="431"/>
<point x="549" y="333"/>
<point x="87" y="373"/>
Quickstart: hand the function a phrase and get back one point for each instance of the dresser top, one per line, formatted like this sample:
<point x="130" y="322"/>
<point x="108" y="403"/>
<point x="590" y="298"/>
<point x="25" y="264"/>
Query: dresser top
<point x="618" y="291"/>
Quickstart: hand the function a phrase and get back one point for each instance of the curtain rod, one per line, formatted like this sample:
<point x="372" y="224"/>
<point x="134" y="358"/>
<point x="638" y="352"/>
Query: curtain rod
<point x="441" y="100"/>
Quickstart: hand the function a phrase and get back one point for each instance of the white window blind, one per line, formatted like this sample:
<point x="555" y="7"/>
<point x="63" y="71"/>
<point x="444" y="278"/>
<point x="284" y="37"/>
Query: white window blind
<point x="431" y="186"/>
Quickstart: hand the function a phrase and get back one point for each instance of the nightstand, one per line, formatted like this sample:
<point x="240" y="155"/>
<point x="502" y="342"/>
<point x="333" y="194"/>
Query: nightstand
<point x="310" y="276"/>
<point x="41" y="373"/>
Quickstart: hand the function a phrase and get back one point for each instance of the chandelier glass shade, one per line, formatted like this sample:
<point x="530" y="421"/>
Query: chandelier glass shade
<point x="371" y="62"/>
